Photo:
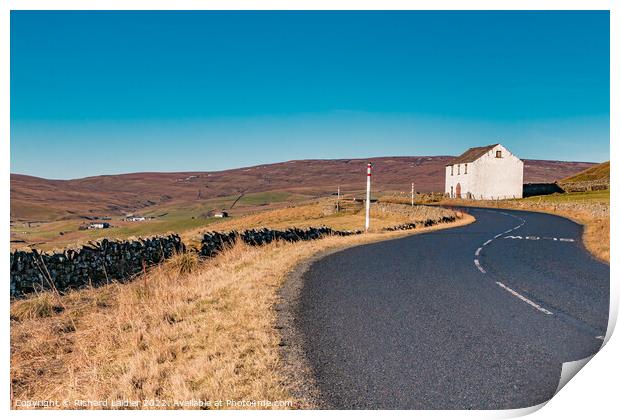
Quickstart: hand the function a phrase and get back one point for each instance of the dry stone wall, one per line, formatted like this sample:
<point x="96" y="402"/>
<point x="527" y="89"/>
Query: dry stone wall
<point x="425" y="223"/>
<point x="106" y="261"/>
<point x="95" y="264"/>
<point x="583" y="186"/>
<point x="214" y="242"/>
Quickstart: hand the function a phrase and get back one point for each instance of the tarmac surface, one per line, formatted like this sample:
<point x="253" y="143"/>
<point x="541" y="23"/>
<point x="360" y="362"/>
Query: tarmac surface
<point x="476" y="317"/>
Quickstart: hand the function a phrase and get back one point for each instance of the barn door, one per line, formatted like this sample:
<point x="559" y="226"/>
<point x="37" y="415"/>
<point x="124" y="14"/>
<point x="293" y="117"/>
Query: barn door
<point x="458" y="190"/>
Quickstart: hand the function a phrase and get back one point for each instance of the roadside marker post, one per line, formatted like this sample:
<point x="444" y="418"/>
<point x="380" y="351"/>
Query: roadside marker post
<point x="338" y="201"/>
<point x="412" y="193"/>
<point x="368" y="195"/>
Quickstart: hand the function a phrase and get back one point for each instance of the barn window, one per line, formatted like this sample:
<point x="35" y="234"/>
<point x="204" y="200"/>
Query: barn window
<point x="498" y="154"/>
<point x="465" y="168"/>
<point x="452" y="170"/>
<point x="458" y="169"/>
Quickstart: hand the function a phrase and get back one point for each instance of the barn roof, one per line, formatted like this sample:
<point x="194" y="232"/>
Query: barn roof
<point x="472" y="154"/>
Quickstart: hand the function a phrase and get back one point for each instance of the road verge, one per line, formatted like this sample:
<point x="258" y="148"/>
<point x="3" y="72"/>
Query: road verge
<point x="186" y="331"/>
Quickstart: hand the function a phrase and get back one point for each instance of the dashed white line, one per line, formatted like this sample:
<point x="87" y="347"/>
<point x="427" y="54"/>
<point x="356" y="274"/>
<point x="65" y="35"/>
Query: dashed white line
<point x="537" y="238"/>
<point x="600" y="337"/>
<point x="502" y="285"/>
<point x="524" y="299"/>
<point x="477" y="263"/>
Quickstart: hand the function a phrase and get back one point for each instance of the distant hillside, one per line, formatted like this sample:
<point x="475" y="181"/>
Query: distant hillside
<point x="41" y="199"/>
<point x="595" y="173"/>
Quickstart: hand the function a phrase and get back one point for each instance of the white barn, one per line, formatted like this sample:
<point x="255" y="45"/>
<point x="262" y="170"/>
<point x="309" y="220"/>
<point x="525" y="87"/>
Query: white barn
<point x="485" y="173"/>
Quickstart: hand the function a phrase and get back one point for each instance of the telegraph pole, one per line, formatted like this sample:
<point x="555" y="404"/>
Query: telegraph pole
<point x="338" y="202"/>
<point x="412" y="192"/>
<point x="368" y="195"/>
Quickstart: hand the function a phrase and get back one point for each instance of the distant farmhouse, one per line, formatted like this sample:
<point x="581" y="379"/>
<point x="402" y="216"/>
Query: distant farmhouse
<point x="221" y="214"/>
<point x="99" y="225"/>
<point x="485" y="173"/>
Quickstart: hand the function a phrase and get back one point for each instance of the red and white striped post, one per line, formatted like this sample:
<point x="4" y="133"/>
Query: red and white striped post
<point x="338" y="202"/>
<point x="368" y="174"/>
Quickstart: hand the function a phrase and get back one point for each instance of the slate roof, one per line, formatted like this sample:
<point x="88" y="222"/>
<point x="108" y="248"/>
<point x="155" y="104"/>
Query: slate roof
<point x="472" y="154"/>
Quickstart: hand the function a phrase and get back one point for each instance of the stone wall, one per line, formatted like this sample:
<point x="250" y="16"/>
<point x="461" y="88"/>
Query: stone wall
<point x="425" y="223"/>
<point x="214" y="242"/>
<point x="583" y="186"/>
<point x="95" y="264"/>
<point x="105" y="261"/>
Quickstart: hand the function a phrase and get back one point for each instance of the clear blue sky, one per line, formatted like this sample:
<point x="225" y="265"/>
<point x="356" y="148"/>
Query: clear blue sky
<point x="114" y="92"/>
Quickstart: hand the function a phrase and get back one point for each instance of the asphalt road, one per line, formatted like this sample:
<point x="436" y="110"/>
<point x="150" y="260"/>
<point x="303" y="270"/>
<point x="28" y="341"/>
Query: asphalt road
<point x="417" y="323"/>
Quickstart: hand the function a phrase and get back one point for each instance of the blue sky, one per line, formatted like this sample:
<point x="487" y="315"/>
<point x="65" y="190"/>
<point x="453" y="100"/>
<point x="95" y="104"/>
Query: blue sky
<point x="115" y="92"/>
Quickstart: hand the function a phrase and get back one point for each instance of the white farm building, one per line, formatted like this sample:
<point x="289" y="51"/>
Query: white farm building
<point x="485" y="173"/>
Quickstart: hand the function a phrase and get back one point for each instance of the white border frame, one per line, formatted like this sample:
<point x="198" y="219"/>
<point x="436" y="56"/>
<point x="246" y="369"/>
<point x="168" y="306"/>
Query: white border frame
<point x="593" y="394"/>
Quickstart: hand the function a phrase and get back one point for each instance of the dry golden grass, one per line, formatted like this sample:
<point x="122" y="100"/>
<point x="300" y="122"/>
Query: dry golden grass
<point x="187" y="330"/>
<point x="319" y="214"/>
<point x="404" y="198"/>
<point x="600" y="172"/>
<point x="593" y="214"/>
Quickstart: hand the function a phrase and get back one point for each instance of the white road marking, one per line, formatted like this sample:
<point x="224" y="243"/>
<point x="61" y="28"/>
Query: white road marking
<point x="502" y="285"/>
<point x="524" y="299"/>
<point x="600" y="337"/>
<point x="537" y="238"/>
<point x="477" y="263"/>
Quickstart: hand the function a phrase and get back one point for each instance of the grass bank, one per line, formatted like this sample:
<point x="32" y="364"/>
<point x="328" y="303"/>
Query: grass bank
<point x="185" y="331"/>
<point x="321" y="213"/>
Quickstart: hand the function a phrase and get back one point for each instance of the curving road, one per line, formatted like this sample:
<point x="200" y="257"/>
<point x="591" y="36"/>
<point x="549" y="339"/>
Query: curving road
<point x="476" y="317"/>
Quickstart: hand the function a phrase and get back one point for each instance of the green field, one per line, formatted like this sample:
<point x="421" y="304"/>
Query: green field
<point x="168" y="218"/>
<point x="261" y="199"/>
<point x="46" y="236"/>
<point x="588" y="196"/>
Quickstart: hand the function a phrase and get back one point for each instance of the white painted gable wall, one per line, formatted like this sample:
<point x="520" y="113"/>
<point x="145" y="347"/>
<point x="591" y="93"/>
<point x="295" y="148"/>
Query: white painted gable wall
<point x="488" y="177"/>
